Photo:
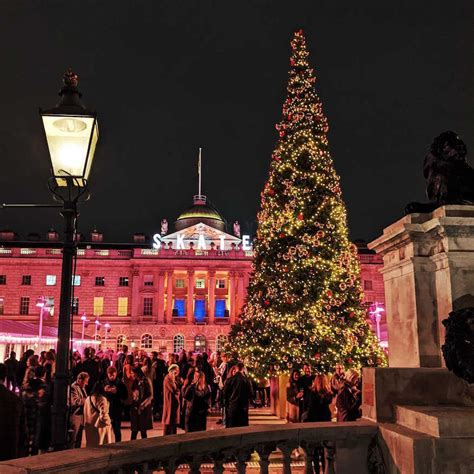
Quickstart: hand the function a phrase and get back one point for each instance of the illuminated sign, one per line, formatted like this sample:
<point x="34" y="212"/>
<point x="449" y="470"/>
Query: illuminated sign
<point x="158" y="242"/>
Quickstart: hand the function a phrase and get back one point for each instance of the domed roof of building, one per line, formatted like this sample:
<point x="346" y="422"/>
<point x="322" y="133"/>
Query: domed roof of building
<point x="200" y="211"/>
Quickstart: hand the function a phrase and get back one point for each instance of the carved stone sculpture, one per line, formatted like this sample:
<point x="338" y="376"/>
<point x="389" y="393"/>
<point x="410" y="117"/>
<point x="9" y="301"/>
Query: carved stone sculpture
<point x="450" y="179"/>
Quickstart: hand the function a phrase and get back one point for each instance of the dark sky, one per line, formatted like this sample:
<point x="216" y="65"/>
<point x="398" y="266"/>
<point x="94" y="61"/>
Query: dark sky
<point x="169" y="76"/>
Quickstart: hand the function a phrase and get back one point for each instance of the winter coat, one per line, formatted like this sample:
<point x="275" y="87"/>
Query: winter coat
<point x="12" y="415"/>
<point x="141" y="416"/>
<point x="237" y="393"/>
<point x="317" y="407"/>
<point x="97" y="423"/>
<point x="115" y="399"/>
<point x="348" y="403"/>
<point x="292" y="403"/>
<point x="197" y="406"/>
<point x="171" y="396"/>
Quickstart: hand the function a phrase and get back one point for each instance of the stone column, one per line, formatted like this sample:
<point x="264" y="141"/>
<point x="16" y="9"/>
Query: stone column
<point x="240" y="293"/>
<point x="161" y="297"/>
<point x="190" y="302"/>
<point x="428" y="271"/>
<point x="232" y="297"/>
<point x="135" y="303"/>
<point x="169" y="297"/>
<point x="211" y="295"/>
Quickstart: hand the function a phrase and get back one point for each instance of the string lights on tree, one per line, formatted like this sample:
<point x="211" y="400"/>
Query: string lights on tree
<point x="304" y="301"/>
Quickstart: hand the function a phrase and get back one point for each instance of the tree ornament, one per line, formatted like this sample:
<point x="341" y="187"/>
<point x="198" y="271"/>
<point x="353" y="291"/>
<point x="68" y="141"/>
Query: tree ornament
<point x="300" y="217"/>
<point x="266" y="303"/>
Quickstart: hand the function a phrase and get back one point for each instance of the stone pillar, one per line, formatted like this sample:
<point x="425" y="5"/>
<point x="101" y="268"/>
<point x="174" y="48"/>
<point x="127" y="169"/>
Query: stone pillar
<point x="428" y="271"/>
<point x="135" y="303"/>
<point x="240" y="293"/>
<point x="190" y="302"/>
<point x="161" y="297"/>
<point x="211" y="295"/>
<point x="232" y="297"/>
<point x="169" y="297"/>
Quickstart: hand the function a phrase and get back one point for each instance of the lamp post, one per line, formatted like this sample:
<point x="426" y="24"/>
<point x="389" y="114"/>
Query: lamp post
<point x="107" y="328"/>
<point x="85" y="322"/>
<point x="41" y="303"/>
<point x="376" y="314"/>
<point x="71" y="133"/>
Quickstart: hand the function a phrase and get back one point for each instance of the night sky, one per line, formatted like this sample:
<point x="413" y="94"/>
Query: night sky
<point x="169" y="76"/>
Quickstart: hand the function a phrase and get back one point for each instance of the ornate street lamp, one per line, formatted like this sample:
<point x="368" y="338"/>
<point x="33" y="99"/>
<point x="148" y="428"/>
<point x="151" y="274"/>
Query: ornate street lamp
<point x="71" y="133"/>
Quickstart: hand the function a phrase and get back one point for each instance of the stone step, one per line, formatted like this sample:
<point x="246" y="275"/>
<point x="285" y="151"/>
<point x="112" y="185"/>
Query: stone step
<point x="438" y="421"/>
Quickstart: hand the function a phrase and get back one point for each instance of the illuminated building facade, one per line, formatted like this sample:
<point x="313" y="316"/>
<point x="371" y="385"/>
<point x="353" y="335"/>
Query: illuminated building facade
<point x="179" y="290"/>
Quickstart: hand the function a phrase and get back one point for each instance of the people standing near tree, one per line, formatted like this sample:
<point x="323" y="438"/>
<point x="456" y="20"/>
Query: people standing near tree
<point x="50" y="365"/>
<point x="116" y="394"/>
<point x="120" y="360"/>
<point x="197" y="396"/>
<point x="349" y="398"/>
<point x="237" y="394"/>
<point x="12" y="418"/>
<point x="171" y="400"/>
<point x="97" y="423"/>
<point x="78" y="398"/>
<point x="305" y="383"/>
<point x="337" y="378"/>
<point x="294" y="395"/>
<point x="31" y="365"/>
<point x="36" y="397"/>
<point x="12" y="368"/>
<point x="141" y="416"/>
<point x="128" y="377"/>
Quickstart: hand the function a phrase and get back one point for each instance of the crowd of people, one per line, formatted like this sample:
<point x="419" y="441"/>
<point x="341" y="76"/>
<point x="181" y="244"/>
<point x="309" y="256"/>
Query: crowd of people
<point x="108" y="388"/>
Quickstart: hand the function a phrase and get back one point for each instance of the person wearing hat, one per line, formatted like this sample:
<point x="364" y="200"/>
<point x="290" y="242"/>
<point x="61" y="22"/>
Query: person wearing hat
<point x="141" y="416"/>
<point x="171" y="398"/>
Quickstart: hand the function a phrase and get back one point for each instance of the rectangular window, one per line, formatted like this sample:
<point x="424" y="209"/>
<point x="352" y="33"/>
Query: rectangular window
<point x="75" y="306"/>
<point x="50" y="280"/>
<point x="179" y="283"/>
<point x="26" y="280"/>
<point x="199" y="310"/>
<point x="147" y="306"/>
<point x="123" y="281"/>
<point x="2" y="306"/>
<point x="3" y="279"/>
<point x="122" y="309"/>
<point x="99" y="281"/>
<point x="24" y="305"/>
<point x="200" y="283"/>
<point x="148" y="280"/>
<point x="179" y="308"/>
<point x="98" y="305"/>
<point x="368" y="285"/>
<point x="76" y="280"/>
<point x="220" y="283"/>
<point x="220" y="309"/>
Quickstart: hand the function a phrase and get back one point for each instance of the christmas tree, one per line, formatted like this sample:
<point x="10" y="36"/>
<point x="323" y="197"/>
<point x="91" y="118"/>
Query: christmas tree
<point x="304" y="300"/>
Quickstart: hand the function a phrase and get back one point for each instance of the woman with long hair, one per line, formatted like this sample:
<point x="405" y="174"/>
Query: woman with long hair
<point x="349" y="398"/>
<point x="294" y="394"/>
<point x="197" y="395"/>
<point x="141" y="416"/>
<point x="128" y="377"/>
<point x="97" y="422"/>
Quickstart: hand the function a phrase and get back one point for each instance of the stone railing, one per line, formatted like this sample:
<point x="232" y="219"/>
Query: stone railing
<point x="346" y="447"/>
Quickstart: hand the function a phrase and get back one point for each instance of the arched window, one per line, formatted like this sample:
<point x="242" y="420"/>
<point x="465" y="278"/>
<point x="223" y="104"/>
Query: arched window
<point x="221" y="341"/>
<point x="146" y="341"/>
<point x="200" y="343"/>
<point x="178" y="343"/>
<point x="121" y="339"/>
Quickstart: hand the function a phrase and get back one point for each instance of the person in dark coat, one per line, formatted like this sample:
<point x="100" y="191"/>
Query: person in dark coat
<point x="91" y="366"/>
<point x="205" y="367"/>
<point x="197" y="396"/>
<point x="305" y="382"/>
<point x="116" y="393"/>
<point x="141" y="416"/>
<point x="319" y="398"/>
<point x="12" y="418"/>
<point x="22" y="365"/>
<point x="337" y="379"/>
<point x="159" y="366"/>
<point x="237" y="394"/>
<point x="36" y="397"/>
<point x="171" y="398"/>
<point x="349" y="398"/>
<point x="12" y="369"/>
<point x="294" y="394"/>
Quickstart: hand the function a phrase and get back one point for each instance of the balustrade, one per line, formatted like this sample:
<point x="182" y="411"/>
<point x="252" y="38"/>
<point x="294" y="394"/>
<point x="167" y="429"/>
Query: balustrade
<point x="346" y="448"/>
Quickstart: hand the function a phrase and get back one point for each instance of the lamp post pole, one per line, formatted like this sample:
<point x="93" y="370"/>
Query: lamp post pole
<point x="41" y="304"/>
<point x="59" y="409"/>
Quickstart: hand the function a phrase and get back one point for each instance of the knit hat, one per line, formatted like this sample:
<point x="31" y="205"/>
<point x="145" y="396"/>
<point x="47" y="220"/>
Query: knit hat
<point x="173" y="367"/>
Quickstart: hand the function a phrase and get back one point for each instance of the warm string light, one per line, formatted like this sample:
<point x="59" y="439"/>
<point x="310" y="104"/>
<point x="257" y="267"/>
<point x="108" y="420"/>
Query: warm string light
<point x="304" y="302"/>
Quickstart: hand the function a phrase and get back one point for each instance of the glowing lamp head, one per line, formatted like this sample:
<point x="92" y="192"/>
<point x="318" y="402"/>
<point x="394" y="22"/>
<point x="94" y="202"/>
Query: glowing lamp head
<point x="41" y="302"/>
<point x="72" y="134"/>
<point x="84" y="317"/>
